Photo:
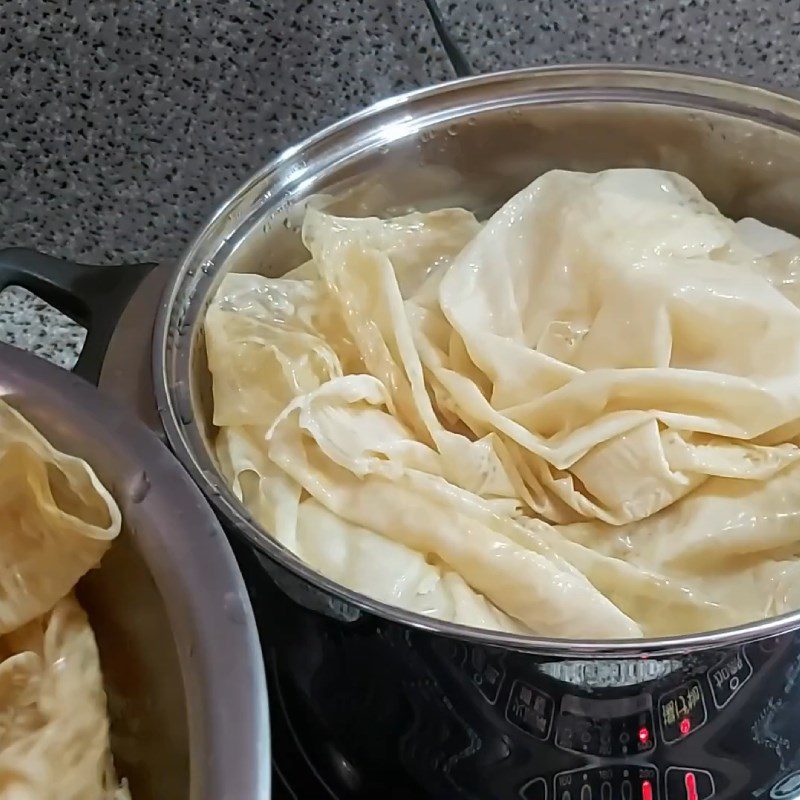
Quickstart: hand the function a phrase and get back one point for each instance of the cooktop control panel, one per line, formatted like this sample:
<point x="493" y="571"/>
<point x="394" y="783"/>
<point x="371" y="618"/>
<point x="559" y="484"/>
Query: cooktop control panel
<point x="618" y="737"/>
<point x="631" y="782"/>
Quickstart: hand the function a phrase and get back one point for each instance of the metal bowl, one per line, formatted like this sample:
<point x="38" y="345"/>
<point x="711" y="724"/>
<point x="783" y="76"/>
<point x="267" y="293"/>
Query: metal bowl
<point x="472" y="143"/>
<point x="178" y="644"/>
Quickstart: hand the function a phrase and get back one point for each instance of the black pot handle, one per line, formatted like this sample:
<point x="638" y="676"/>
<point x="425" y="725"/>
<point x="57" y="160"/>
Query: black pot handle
<point x="92" y="296"/>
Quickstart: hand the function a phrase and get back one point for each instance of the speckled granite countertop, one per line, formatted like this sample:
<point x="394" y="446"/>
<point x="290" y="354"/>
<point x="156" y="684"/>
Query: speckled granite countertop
<point x="125" y="124"/>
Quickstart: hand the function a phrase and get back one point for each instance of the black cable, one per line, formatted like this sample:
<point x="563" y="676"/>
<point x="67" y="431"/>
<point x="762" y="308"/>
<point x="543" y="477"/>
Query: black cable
<point x="457" y="59"/>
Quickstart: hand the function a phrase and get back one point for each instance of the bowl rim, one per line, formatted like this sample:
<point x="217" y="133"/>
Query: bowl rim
<point x="733" y="97"/>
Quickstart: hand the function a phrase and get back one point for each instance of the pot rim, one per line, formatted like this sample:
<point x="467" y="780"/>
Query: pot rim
<point x="603" y="82"/>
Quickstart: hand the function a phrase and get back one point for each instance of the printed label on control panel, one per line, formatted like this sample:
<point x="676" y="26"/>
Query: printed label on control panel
<point x="688" y="783"/>
<point x="682" y="711"/>
<point x="728" y="676"/>
<point x="773" y="728"/>
<point x="618" y="782"/>
<point x="530" y="709"/>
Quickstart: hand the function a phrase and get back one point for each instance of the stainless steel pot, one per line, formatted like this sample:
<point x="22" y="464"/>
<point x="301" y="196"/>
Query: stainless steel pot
<point x="175" y="628"/>
<point x="480" y="714"/>
<point x="473" y="143"/>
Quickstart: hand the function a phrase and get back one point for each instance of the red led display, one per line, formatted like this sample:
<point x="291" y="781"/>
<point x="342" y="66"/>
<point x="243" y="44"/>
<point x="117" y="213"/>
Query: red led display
<point x="644" y="735"/>
<point x="647" y="791"/>
<point x="691" y="786"/>
<point x="685" y="726"/>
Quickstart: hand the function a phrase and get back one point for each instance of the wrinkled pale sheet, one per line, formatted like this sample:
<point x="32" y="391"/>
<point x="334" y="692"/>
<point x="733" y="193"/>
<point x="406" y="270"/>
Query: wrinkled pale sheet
<point x="56" y="517"/>
<point x="51" y="693"/>
<point x="57" y="521"/>
<point x="579" y="418"/>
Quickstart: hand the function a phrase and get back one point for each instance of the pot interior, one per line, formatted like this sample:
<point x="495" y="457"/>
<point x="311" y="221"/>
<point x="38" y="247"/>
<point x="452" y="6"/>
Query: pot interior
<point x="473" y="144"/>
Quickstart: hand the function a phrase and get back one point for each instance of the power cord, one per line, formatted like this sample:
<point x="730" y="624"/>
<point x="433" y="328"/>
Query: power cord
<point x="458" y="60"/>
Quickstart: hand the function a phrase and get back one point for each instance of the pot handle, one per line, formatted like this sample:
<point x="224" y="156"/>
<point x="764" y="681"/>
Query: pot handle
<point x="92" y="296"/>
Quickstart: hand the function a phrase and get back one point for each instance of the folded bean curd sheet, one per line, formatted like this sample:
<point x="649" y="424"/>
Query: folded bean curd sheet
<point x="578" y="418"/>
<point x="57" y="521"/>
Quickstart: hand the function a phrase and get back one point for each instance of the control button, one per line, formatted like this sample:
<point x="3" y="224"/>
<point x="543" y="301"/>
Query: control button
<point x="787" y="787"/>
<point x="682" y="711"/>
<point x="487" y="673"/>
<point x="586" y="792"/>
<point x="534" y="790"/>
<point x="728" y="676"/>
<point x="605" y="791"/>
<point x="530" y="709"/>
<point x="627" y="790"/>
<point x="684" y="783"/>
